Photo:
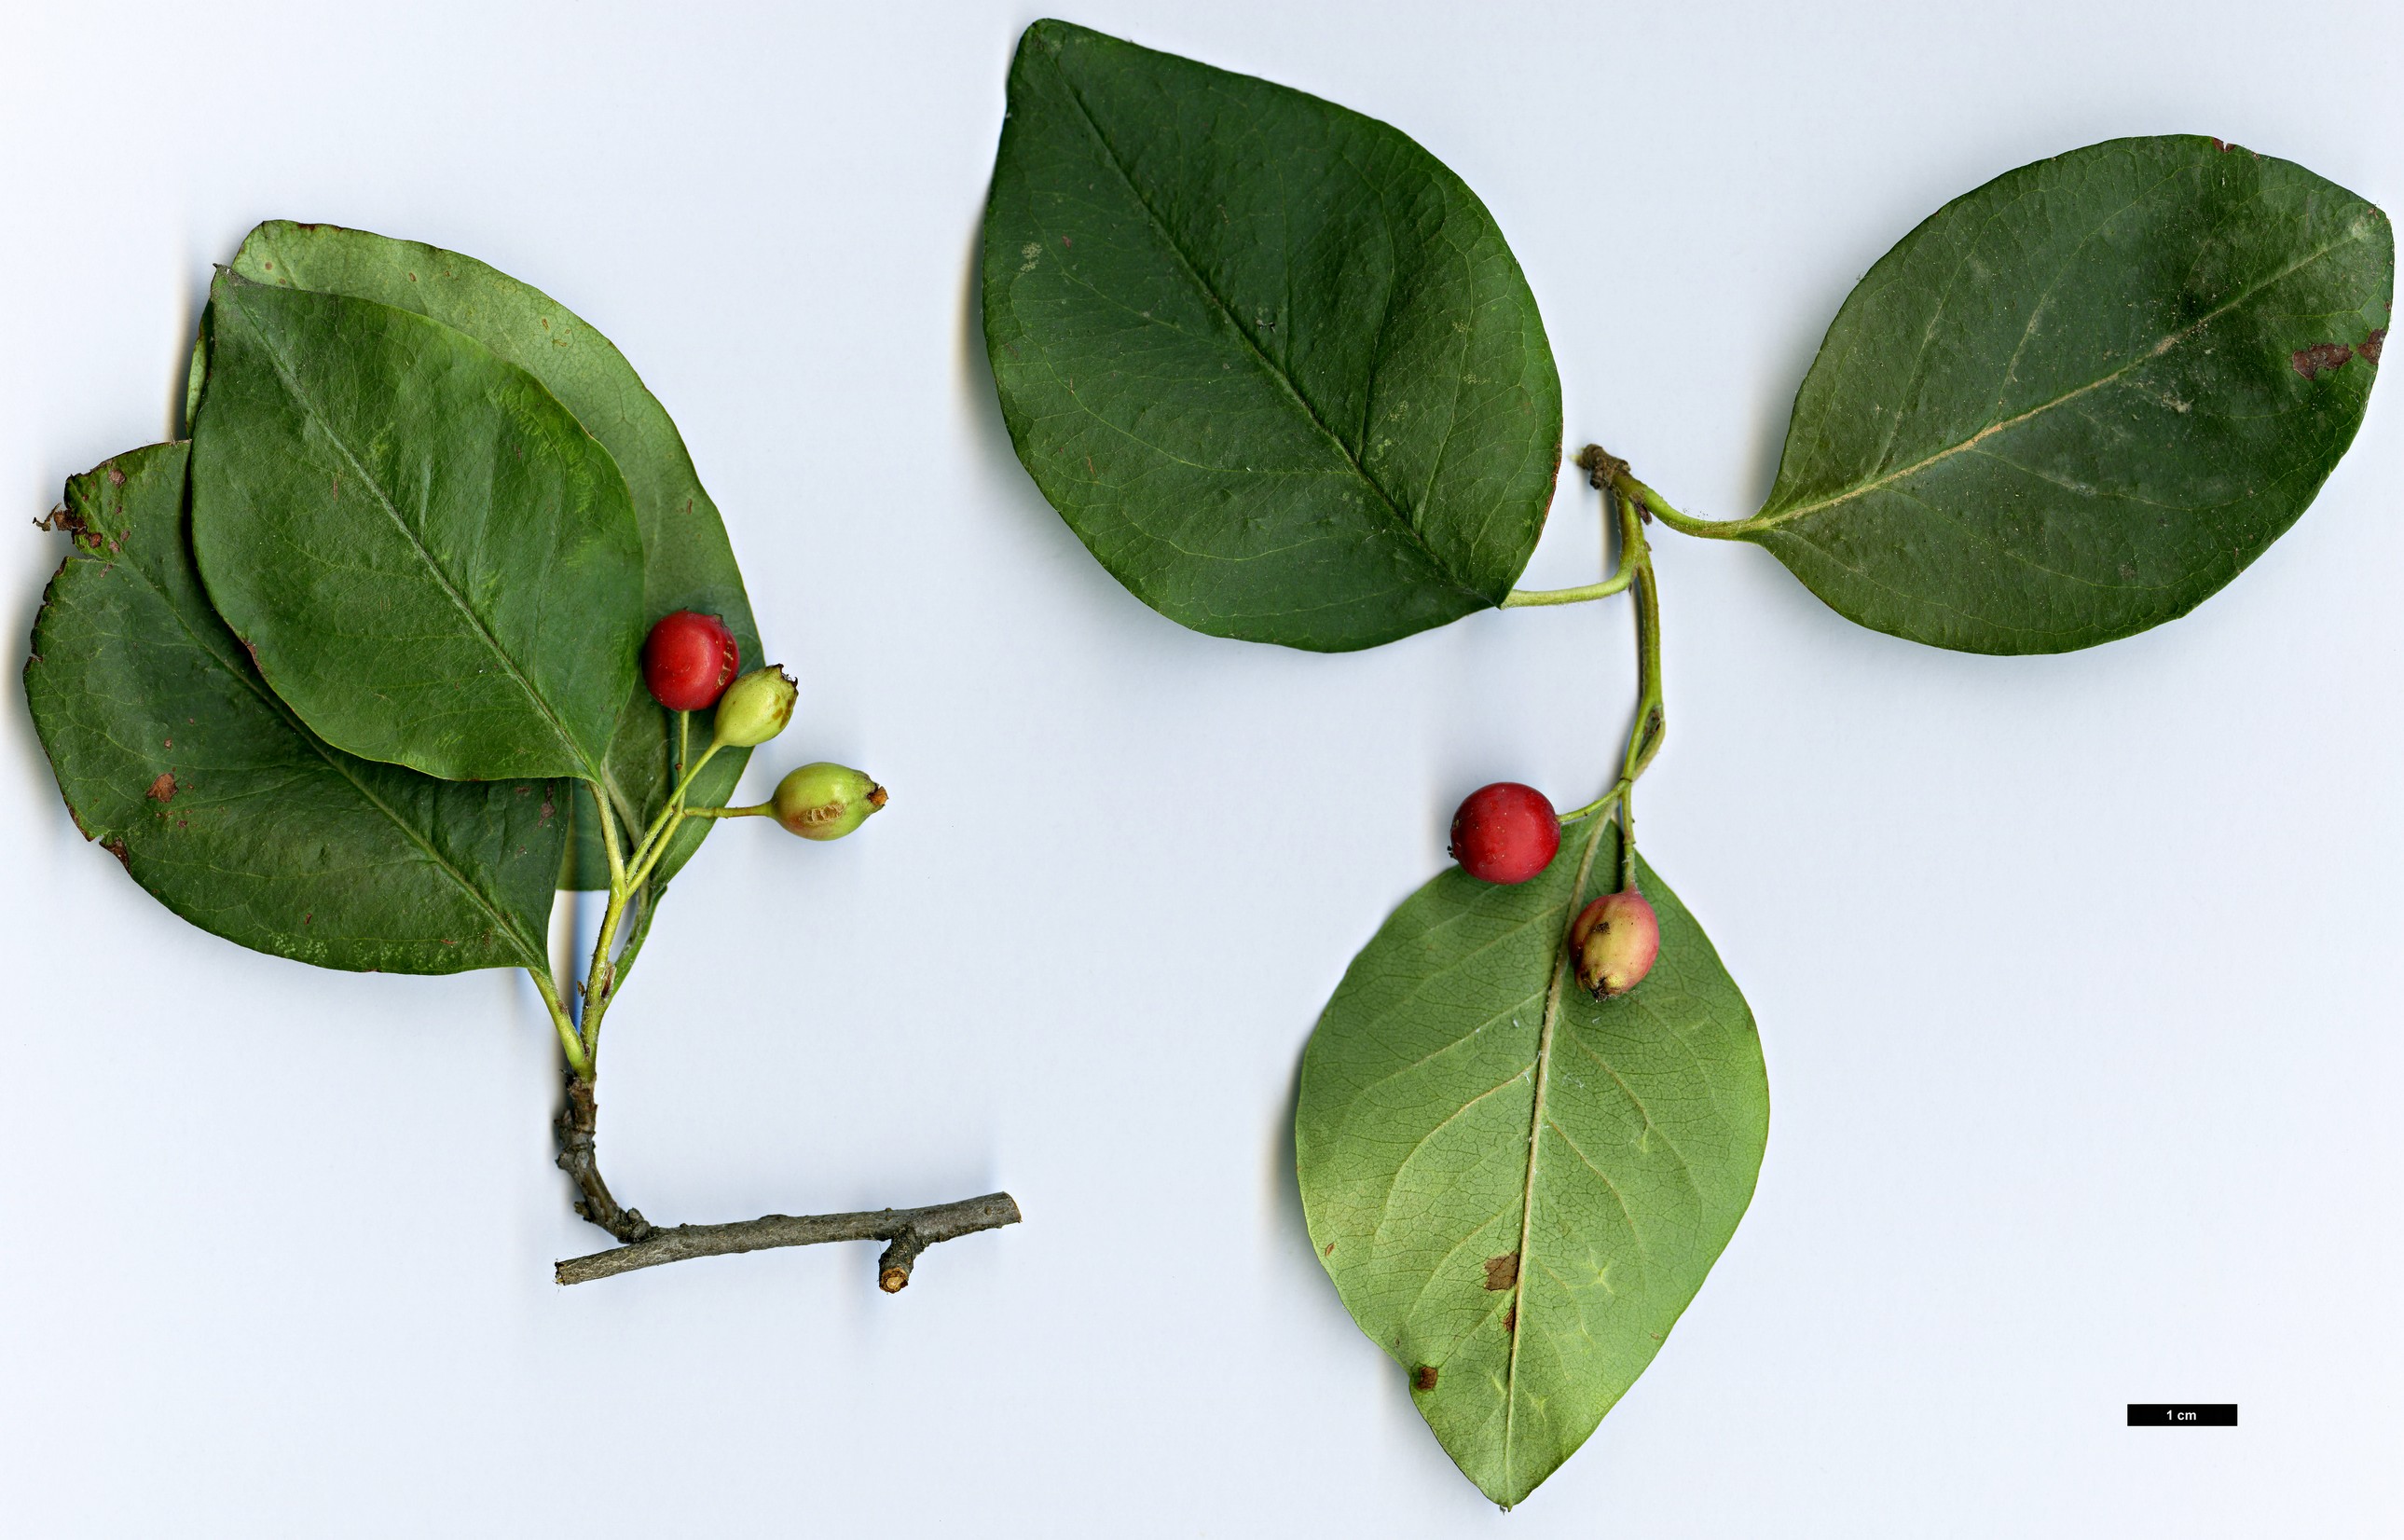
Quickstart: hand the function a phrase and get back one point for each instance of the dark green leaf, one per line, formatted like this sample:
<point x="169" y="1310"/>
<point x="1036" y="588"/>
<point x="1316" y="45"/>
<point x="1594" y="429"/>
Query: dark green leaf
<point x="172" y="753"/>
<point x="1524" y="1268"/>
<point x="2076" y="401"/>
<point x="687" y="562"/>
<point x="1271" y="360"/>
<point x="429" y="559"/>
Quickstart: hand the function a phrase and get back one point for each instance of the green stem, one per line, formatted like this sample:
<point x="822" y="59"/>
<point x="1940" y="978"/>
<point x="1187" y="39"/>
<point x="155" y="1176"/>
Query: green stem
<point x="655" y="838"/>
<point x="757" y="810"/>
<point x="1610" y="476"/>
<point x="1596" y="805"/>
<point x="601" y="973"/>
<point x="578" y="1060"/>
<point x="1523" y="598"/>
<point x="628" y="891"/>
<point x="1520" y="598"/>
<point x="1713" y="529"/>
<point x="596" y="1003"/>
<point x="1645" y="738"/>
<point x="1627" y="843"/>
<point x="610" y="837"/>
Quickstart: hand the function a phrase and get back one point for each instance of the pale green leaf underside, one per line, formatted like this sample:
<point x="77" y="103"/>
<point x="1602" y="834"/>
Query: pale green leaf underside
<point x="173" y="752"/>
<point x="1270" y="360"/>
<point x="688" y="563"/>
<point x="1419" y="1175"/>
<point x="2076" y="401"/>
<point x="433" y="563"/>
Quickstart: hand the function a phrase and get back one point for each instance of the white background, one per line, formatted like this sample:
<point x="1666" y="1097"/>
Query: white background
<point x="2078" y="976"/>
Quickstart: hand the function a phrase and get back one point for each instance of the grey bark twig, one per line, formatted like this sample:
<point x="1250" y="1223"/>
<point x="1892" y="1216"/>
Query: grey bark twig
<point x="577" y="1122"/>
<point x="908" y="1232"/>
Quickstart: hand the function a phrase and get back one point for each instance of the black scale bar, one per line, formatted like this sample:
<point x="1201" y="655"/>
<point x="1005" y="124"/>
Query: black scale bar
<point x="2182" y="1414"/>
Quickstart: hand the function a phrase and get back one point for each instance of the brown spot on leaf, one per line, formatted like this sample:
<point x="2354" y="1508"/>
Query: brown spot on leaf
<point x="116" y="847"/>
<point x="1423" y="1378"/>
<point x="1511" y="1317"/>
<point x="1503" y="1272"/>
<point x="63" y="522"/>
<point x="2369" y="348"/>
<point x="163" y="791"/>
<point x="2320" y="359"/>
<point x="546" y="811"/>
<point x="116" y="477"/>
<point x="1328" y="1249"/>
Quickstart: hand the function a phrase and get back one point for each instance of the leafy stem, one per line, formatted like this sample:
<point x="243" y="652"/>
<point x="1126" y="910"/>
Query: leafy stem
<point x="655" y="838"/>
<point x="629" y="877"/>
<point x="1609" y="475"/>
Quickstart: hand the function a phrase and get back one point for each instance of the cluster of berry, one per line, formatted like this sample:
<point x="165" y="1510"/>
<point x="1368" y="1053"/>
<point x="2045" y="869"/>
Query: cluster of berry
<point x="691" y="663"/>
<point x="1508" y="832"/>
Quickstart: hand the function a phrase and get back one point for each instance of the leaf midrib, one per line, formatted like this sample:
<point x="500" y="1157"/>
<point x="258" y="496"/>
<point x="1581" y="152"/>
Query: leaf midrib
<point x="1535" y="1143"/>
<point x="442" y="580"/>
<point x="1401" y="521"/>
<point x="1771" y="521"/>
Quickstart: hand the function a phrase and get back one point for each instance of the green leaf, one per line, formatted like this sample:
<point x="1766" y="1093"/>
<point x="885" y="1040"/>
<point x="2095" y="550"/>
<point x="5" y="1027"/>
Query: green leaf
<point x="687" y="561"/>
<point x="1271" y="360"/>
<point x="2076" y="401"/>
<point x="173" y="752"/>
<point x="429" y="559"/>
<point x="1522" y="1267"/>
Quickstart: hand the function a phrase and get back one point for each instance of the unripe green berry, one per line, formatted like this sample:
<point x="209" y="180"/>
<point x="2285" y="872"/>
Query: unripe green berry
<point x="1614" y="942"/>
<point x="825" y="801"/>
<point x="756" y="707"/>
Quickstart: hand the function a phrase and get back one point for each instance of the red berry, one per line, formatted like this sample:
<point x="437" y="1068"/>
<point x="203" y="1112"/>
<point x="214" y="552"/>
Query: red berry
<point x="1505" y="833"/>
<point x="689" y="659"/>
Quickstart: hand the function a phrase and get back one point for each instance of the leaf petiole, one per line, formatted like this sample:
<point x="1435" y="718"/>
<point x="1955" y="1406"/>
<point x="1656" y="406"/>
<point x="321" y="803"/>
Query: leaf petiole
<point x="1658" y="507"/>
<point x="569" y="1044"/>
<point x="1523" y="598"/>
<point x="1520" y="598"/>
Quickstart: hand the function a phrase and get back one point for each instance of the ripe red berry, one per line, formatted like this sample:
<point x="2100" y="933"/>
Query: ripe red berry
<point x="689" y="659"/>
<point x="1505" y="833"/>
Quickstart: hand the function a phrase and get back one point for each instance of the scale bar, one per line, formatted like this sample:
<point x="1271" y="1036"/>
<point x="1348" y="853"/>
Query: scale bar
<point x="2182" y="1414"/>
